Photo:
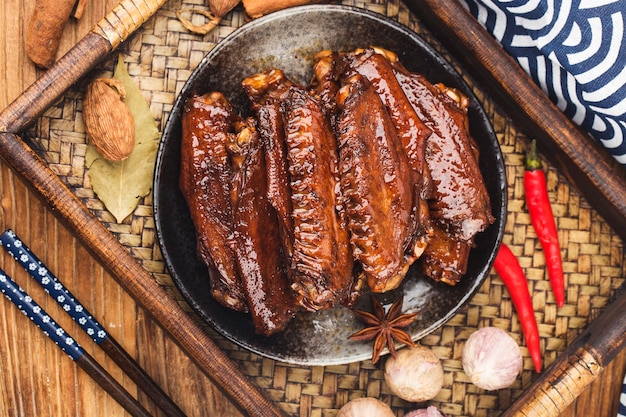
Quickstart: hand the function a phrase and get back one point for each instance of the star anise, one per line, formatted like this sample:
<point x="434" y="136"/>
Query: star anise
<point x="384" y="328"/>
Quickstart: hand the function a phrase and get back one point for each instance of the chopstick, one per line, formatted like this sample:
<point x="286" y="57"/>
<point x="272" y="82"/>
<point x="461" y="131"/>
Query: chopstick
<point x="56" y="333"/>
<point x="21" y="253"/>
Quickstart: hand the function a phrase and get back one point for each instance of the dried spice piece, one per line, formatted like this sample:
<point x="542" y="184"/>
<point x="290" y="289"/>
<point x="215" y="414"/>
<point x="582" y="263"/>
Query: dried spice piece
<point x="258" y="8"/>
<point x="120" y="185"/>
<point x="384" y="328"/>
<point x="108" y="120"/>
<point x="218" y="9"/>
<point x="45" y="28"/>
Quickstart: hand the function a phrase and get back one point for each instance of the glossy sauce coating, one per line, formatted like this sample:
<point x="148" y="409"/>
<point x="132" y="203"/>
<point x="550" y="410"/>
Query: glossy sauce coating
<point x="205" y="182"/>
<point x="322" y="262"/>
<point x="376" y="67"/>
<point x="260" y="255"/>
<point x="376" y="185"/>
<point x="266" y="92"/>
<point x="460" y="198"/>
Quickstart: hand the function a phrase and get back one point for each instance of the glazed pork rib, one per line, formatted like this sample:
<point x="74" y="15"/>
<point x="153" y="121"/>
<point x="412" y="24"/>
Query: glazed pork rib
<point x="376" y="183"/>
<point x="204" y="180"/>
<point x="322" y="262"/>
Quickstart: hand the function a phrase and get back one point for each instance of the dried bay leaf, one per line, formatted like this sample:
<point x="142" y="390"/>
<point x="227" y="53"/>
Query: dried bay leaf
<point x="122" y="184"/>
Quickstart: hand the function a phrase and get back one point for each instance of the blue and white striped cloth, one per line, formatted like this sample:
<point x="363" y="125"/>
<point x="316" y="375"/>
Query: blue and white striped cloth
<point x="621" y="412"/>
<point x="575" y="50"/>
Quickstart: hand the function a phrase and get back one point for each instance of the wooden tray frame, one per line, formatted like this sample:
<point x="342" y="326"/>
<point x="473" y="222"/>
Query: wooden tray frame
<point x="597" y="176"/>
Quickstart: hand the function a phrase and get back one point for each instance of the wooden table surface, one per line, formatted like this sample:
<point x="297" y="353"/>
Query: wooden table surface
<point x="36" y="379"/>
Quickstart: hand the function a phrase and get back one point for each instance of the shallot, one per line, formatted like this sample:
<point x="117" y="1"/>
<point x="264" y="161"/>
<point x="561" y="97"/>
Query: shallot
<point x="365" y="407"/>
<point x="431" y="411"/>
<point x="491" y="358"/>
<point x="415" y="374"/>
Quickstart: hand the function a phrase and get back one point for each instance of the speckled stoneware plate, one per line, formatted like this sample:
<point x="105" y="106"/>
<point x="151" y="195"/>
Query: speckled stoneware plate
<point x="287" y="40"/>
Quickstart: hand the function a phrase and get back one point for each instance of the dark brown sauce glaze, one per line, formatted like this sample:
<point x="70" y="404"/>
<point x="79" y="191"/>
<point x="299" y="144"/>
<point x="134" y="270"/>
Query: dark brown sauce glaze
<point x="460" y="199"/>
<point x="322" y="260"/>
<point x="259" y="249"/>
<point x="266" y="92"/>
<point x="205" y="178"/>
<point x="376" y="185"/>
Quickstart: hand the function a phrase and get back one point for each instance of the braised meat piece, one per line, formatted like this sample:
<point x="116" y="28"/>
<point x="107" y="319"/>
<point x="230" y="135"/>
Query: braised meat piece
<point x="204" y="180"/>
<point x="322" y="262"/>
<point x="445" y="257"/>
<point x="265" y="92"/>
<point x="376" y="183"/>
<point x="325" y="83"/>
<point x="460" y="199"/>
<point x="261" y="259"/>
<point x="376" y="66"/>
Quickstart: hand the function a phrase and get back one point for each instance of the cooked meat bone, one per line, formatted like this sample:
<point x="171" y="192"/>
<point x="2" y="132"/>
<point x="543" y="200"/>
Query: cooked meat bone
<point x="376" y="66"/>
<point x="460" y="198"/>
<point x="265" y="92"/>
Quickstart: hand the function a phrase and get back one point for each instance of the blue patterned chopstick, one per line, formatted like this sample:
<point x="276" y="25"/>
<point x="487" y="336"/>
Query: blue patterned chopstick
<point x="38" y="315"/>
<point x="56" y="333"/>
<point x="52" y="285"/>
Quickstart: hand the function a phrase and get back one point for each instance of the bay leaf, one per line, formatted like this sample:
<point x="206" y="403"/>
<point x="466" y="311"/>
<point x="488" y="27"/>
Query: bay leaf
<point x="121" y="185"/>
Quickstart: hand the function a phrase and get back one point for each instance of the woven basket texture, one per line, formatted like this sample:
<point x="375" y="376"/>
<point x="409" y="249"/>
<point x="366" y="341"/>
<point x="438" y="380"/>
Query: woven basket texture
<point x="162" y="55"/>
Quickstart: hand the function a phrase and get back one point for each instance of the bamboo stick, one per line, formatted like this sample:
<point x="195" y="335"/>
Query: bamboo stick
<point x="577" y="367"/>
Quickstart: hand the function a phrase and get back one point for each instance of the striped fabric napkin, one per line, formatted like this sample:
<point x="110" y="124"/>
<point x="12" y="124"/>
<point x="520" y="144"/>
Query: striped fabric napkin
<point x="621" y="412"/>
<point x="575" y="50"/>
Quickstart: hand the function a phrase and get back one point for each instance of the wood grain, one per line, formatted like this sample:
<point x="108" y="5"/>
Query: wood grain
<point x="35" y="377"/>
<point x="38" y="379"/>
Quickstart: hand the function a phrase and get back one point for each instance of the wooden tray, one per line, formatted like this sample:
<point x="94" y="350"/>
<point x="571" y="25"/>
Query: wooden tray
<point x="575" y="159"/>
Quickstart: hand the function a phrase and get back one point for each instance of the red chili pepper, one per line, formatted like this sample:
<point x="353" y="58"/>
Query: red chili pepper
<point x="509" y="269"/>
<point x="541" y="216"/>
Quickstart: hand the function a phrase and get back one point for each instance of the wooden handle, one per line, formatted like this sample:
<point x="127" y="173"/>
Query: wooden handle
<point x="134" y="278"/>
<point x="587" y="165"/>
<point x="577" y="367"/>
<point x="104" y="37"/>
<point x="125" y="19"/>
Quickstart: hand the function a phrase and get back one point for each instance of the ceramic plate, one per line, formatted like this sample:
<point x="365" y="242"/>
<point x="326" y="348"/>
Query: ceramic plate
<point x="287" y="40"/>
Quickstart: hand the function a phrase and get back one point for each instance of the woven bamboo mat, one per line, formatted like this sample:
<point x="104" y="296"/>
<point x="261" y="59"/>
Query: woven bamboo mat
<point x="162" y="55"/>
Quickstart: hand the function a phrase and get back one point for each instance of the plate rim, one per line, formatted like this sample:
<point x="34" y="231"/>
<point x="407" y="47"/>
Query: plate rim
<point x="501" y="204"/>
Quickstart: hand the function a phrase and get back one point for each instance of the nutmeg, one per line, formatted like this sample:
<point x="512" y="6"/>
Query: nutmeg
<point x="108" y="120"/>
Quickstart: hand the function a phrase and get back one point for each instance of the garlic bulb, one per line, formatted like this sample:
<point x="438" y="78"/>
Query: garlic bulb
<point x="426" y="412"/>
<point x="365" y="407"/>
<point x="491" y="358"/>
<point x="415" y="374"/>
